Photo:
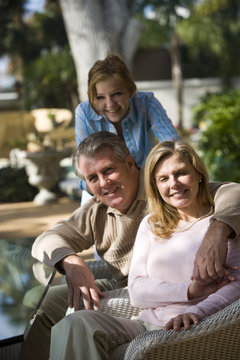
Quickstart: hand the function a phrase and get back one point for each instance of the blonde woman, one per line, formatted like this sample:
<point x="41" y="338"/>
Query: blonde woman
<point x="179" y="206"/>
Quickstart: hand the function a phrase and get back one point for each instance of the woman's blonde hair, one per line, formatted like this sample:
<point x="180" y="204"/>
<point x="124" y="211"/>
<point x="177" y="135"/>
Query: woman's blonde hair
<point x="164" y="217"/>
<point x="102" y="69"/>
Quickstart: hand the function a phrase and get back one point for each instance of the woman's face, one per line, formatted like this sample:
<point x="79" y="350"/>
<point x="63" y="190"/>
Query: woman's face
<point x="178" y="183"/>
<point x="112" y="99"/>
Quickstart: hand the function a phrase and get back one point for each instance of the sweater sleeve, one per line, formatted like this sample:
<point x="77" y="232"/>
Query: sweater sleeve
<point x="227" y="205"/>
<point x="67" y="237"/>
<point x="146" y="292"/>
<point x="228" y="293"/>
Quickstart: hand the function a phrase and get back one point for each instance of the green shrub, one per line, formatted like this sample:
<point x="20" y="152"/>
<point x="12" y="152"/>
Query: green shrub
<point x="14" y="186"/>
<point x="218" y="117"/>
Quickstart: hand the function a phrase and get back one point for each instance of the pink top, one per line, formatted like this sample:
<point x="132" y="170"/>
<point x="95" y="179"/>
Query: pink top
<point x="161" y="269"/>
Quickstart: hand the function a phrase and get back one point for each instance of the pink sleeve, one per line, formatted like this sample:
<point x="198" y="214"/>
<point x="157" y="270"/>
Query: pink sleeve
<point x="146" y="292"/>
<point x="227" y="294"/>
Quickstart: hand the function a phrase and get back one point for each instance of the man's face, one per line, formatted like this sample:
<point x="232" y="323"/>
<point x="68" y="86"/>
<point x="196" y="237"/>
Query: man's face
<point x="113" y="182"/>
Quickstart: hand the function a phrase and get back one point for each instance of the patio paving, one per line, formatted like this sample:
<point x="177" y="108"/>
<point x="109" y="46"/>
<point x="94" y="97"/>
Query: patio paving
<point x="27" y="220"/>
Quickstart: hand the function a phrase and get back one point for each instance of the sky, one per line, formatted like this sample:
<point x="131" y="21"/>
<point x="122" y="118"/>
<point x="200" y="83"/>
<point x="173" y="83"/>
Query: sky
<point x="35" y="5"/>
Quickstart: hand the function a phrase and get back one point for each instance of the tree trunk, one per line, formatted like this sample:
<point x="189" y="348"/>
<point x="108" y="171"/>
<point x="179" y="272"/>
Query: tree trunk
<point x="95" y="28"/>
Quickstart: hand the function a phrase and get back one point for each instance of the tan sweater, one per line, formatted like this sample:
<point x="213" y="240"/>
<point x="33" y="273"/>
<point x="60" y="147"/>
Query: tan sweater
<point x="114" y="233"/>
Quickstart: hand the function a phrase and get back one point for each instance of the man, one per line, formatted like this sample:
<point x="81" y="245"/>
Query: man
<point x="111" y="223"/>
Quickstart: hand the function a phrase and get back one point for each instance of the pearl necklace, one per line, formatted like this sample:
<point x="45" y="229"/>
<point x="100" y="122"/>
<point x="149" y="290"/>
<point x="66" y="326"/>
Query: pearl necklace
<point x="187" y="227"/>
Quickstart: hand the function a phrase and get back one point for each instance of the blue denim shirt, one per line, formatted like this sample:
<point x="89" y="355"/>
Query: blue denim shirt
<point x="145" y="120"/>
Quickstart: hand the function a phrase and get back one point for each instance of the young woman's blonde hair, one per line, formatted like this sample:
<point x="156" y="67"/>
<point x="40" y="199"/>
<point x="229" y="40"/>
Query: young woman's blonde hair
<point x="102" y="69"/>
<point x="164" y="217"/>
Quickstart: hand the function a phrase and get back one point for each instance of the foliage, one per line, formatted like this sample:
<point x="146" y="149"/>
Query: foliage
<point x="153" y="34"/>
<point x="10" y="24"/>
<point x="209" y="34"/>
<point x="159" y="27"/>
<point x="14" y="185"/>
<point x="50" y="80"/>
<point x="218" y="117"/>
<point x="39" y="52"/>
<point x="214" y="29"/>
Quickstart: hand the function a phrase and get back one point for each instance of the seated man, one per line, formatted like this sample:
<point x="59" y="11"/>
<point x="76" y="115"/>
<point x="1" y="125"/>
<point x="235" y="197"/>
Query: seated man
<point x="111" y="223"/>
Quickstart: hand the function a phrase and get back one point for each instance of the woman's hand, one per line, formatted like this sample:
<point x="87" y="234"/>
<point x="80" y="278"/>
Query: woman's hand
<point x="182" y="320"/>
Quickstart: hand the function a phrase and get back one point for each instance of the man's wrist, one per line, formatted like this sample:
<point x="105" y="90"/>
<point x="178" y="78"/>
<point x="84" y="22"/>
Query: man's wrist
<point x="69" y="259"/>
<point x="223" y="228"/>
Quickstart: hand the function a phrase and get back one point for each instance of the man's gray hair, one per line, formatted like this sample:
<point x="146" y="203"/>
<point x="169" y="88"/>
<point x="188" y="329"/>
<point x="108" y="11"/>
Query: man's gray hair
<point x="93" y="143"/>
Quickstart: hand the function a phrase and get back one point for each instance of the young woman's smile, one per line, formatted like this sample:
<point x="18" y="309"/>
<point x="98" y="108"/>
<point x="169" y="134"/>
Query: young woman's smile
<point x="112" y="99"/>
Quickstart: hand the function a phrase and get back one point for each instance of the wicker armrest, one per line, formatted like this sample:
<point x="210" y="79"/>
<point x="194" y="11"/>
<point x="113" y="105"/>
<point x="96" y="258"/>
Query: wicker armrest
<point x="116" y="303"/>
<point x="216" y="337"/>
<point x="99" y="268"/>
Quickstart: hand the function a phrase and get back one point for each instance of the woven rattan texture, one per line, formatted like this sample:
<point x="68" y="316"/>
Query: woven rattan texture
<point x="217" y="337"/>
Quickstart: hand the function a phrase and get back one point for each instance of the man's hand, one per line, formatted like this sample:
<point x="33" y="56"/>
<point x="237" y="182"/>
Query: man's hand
<point x="80" y="281"/>
<point x="210" y="259"/>
<point x="196" y="290"/>
<point x="182" y="320"/>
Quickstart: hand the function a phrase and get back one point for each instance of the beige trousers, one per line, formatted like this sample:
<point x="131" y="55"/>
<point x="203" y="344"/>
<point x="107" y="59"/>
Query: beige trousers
<point x="92" y="335"/>
<point x="52" y="310"/>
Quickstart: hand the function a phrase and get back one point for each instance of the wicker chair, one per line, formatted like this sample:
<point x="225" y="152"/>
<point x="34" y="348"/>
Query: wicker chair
<point x="99" y="269"/>
<point x="217" y="337"/>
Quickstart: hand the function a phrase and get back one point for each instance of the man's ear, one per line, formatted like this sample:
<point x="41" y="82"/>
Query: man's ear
<point x="130" y="161"/>
<point x="90" y="190"/>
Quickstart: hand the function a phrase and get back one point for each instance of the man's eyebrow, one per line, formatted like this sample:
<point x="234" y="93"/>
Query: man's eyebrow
<point x="90" y="175"/>
<point x="102" y="171"/>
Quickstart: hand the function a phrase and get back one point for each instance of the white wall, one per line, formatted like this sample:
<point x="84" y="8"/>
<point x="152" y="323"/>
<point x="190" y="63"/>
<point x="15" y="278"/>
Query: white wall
<point x="193" y="90"/>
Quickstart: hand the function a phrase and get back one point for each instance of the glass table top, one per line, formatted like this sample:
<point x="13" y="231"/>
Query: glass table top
<point x="21" y="291"/>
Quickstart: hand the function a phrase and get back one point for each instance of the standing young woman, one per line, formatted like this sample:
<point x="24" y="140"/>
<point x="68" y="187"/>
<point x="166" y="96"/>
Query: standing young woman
<point x="116" y="106"/>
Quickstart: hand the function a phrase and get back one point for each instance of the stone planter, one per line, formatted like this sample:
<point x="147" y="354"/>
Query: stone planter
<point x="43" y="170"/>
